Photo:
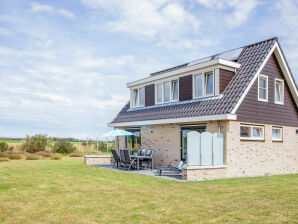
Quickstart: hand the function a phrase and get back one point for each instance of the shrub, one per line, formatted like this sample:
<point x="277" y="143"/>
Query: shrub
<point x="32" y="157"/>
<point x="64" y="147"/>
<point x="75" y="155"/>
<point x="14" y="156"/>
<point x="44" y="154"/>
<point x="5" y="147"/>
<point x="56" y="157"/>
<point x="35" y="143"/>
<point x="3" y="159"/>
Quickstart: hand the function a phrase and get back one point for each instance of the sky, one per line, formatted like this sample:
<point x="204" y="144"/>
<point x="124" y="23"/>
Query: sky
<point x="64" y="64"/>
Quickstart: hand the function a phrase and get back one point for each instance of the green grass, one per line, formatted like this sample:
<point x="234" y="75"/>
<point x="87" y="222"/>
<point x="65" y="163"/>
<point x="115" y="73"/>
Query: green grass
<point x="67" y="191"/>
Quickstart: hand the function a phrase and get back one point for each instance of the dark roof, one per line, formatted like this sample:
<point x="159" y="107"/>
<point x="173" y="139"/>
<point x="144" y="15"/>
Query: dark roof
<point x="250" y="59"/>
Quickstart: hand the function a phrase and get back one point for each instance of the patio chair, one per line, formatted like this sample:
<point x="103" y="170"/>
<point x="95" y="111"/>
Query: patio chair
<point x="171" y="169"/>
<point x="122" y="158"/>
<point x="116" y="158"/>
<point x="148" y="159"/>
<point x="129" y="163"/>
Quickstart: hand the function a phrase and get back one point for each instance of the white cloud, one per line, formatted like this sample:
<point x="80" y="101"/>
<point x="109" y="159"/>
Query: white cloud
<point x="151" y="19"/>
<point x="239" y="10"/>
<point x="66" y="13"/>
<point x="5" y="32"/>
<point x="36" y="7"/>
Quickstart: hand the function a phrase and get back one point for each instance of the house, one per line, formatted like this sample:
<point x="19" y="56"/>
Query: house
<point x="248" y="94"/>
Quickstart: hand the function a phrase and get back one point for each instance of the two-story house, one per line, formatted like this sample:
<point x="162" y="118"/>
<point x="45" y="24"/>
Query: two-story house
<point x="248" y="94"/>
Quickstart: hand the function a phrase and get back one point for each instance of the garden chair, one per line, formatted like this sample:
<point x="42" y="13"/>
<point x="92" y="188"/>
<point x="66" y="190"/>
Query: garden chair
<point x="130" y="163"/>
<point x="148" y="159"/>
<point x="122" y="157"/>
<point x="116" y="158"/>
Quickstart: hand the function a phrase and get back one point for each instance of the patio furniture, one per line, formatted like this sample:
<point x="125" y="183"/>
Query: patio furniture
<point x="148" y="159"/>
<point x="171" y="169"/>
<point x="116" y="158"/>
<point x="122" y="157"/>
<point x="129" y="162"/>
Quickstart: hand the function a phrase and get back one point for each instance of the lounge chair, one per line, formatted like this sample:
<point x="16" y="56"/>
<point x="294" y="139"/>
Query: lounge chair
<point x="129" y="163"/>
<point x="116" y="158"/>
<point x="171" y="169"/>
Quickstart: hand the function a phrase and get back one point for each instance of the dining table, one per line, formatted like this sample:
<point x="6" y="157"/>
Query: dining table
<point x="138" y="158"/>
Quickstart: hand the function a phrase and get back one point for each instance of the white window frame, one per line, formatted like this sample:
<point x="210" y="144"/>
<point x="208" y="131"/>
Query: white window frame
<point x="282" y="91"/>
<point x="204" y="74"/>
<point x="281" y="134"/>
<point x="162" y="91"/>
<point x="252" y="138"/>
<point x="132" y="97"/>
<point x="267" y="87"/>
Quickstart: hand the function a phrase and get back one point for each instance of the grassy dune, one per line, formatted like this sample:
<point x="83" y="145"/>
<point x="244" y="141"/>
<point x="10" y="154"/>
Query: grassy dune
<point x="67" y="191"/>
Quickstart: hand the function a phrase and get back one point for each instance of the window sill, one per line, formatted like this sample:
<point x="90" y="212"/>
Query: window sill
<point x="277" y="140"/>
<point x="264" y="101"/>
<point x="205" y="167"/>
<point x="253" y="139"/>
<point x="279" y="103"/>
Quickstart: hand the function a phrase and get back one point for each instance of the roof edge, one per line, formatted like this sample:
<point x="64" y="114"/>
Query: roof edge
<point x="176" y="120"/>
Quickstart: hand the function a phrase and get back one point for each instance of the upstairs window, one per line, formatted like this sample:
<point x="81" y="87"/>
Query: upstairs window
<point x="159" y="93"/>
<point x="279" y="91"/>
<point x="175" y="90"/>
<point x="251" y="132"/>
<point x="276" y="134"/>
<point x="204" y="85"/>
<point x="167" y="91"/>
<point x="142" y="97"/>
<point x="138" y="97"/>
<point x="263" y="88"/>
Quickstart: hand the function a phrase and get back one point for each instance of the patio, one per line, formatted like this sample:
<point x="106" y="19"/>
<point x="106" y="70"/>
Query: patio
<point x="147" y="172"/>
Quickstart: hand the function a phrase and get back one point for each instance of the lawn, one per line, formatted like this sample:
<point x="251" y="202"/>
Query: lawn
<point x="67" y="191"/>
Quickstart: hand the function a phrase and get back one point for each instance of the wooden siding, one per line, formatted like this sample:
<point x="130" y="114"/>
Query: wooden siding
<point x="251" y="110"/>
<point x="185" y="88"/>
<point x="225" y="77"/>
<point x="149" y="95"/>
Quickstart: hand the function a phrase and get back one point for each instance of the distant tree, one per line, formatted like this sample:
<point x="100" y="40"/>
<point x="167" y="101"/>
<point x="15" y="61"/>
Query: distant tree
<point x="35" y="143"/>
<point x="64" y="147"/>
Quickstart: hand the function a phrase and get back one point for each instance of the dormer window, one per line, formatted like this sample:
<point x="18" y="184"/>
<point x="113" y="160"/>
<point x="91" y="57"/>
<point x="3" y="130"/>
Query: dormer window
<point x="204" y="85"/>
<point x="167" y="91"/>
<point x="138" y="97"/>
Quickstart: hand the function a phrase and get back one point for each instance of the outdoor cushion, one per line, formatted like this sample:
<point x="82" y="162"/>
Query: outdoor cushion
<point x="143" y="152"/>
<point x="180" y="165"/>
<point x="149" y="153"/>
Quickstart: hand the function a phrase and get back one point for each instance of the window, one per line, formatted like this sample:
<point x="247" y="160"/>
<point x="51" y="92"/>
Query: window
<point x="209" y="83"/>
<point x="204" y="85"/>
<point x="138" y="97"/>
<point x="276" y="134"/>
<point x="263" y="88"/>
<point x="251" y="132"/>
<point x="167" y="91"/>
<point x="279" y="91"/>
<point x="159" y="93"/>
<point x="135" y="98"/>
<point x="198" y="85"/>
<point x="175" y="90"/>
<point x="142" y="97"/>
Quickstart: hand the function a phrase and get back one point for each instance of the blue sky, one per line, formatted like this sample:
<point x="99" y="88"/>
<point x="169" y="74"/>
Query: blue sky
<point x="64" y="65"/>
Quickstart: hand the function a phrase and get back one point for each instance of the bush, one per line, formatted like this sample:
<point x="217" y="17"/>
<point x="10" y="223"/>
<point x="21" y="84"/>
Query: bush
<point x="44" y="154"/>
<point x="32" y="157"/>
<point x="3" y="159"/>
<point x="35" y="143"/>
<point x="56" y="157"/>
<point x="75" y="155"/>
<point x="5" y="147"/>
<point x="64" y="147"/>
<point x="14" y="156"/>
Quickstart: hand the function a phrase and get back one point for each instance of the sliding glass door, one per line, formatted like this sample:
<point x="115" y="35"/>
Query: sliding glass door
<point x="133" y="141"/>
